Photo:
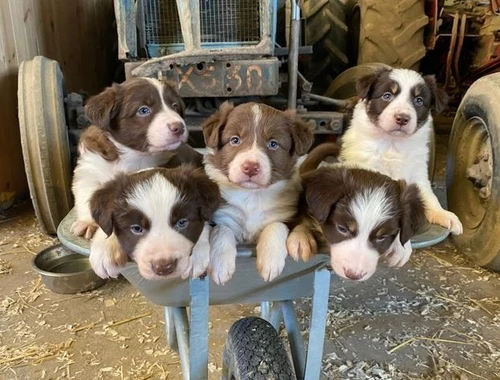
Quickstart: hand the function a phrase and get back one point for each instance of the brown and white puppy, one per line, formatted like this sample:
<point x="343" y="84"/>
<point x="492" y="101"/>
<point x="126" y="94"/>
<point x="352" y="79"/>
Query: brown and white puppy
<point x="253" y="149"/>
<point x="158" y="218"/>
<point x="135" y="125"/>
<point x="390" y="132"/>
<point x="360" y="215"/>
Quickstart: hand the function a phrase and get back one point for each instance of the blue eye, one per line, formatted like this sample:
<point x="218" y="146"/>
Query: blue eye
<point x="143" y="111"/>
<point x="136" y="229"/>
<point x="273" y="144"/>
<point x="380" y="239"/>
<point x="418" y="101"/>
<point x="387" y="96"/>
<point x="182" y="223"/>
<point x="235" y="140"/>
<point x="342" y="229"/>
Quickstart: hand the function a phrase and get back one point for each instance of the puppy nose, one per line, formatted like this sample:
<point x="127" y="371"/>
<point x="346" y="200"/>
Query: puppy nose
<point x="176" y="128"/>
<point x="349" y="273"/>
<point x="402" y="118"/>
<point x="163" y="267"/>
<point x="250" y="168"/>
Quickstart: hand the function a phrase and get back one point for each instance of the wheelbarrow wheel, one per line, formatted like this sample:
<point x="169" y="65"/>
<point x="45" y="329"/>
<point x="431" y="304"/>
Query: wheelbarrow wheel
<point x="473" y="172"/>
<point x="254" y="351"/>
<point x="44" y="139"/>
<point x="344" y="87"/>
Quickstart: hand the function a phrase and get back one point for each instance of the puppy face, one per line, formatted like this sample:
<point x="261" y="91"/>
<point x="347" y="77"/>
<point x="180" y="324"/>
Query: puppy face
<point x="398" y="101"/>
<point x="157" y="216"/>
<point x="254" y="145"/>
<point x="361" y="213"/>
<point x="141" y="113"/>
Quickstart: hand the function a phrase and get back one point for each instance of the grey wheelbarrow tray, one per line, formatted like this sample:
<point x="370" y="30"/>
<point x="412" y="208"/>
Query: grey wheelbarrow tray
<point x="190" y="335"/>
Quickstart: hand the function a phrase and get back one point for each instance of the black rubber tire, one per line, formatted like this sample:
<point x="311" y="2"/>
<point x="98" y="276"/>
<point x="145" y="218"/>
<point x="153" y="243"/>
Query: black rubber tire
<point x="254" y="351"/>
<point x="392" y="32"/>
<point x="326" y="31"/>
<point x="44" y="139"/>
<point x="476" y="121"/>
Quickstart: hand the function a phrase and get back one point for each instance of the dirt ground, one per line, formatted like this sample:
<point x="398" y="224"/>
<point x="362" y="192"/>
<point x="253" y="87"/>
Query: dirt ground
<point x="436" y="318"/>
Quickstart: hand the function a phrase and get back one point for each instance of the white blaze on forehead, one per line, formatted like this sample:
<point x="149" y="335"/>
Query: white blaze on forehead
<point x="406" y="78"/>
<point x="257" y="115"/>
<point x="155" y="197"/>
<point x="159" y="135"/>
<point x="371" y="208"/>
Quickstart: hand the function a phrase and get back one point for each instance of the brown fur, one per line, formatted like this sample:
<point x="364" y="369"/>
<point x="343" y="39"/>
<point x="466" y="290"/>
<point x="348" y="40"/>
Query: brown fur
<point x="96" y="140"/>
<point x="115" y="110"/>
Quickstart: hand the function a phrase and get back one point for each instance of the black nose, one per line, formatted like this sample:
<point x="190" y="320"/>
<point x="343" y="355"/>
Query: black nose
<point x="250" y="168"/>
<point x="353" y="275"/>
<point x="402" y="118"/>
<point x="163" y="267"/>
<point x="176" y="128"/>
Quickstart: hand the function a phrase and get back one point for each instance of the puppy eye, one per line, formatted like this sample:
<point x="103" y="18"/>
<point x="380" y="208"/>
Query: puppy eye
<point x="380" y="239"/>
<point x="387" y="96"/>
<point x="143" y="111"/>
<point x="175" y="106"/>
<point x="273" y="144"/>
<point x="136" y="229"/>
<point x="418" y="101"/>
<point x="181" y="223"/>
<point x="342" y="229"/>
<point x="235" y="140"/>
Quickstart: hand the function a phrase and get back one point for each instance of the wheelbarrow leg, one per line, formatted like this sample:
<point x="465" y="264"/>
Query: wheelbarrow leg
<point x="271" y="312"/>
<point x="192" y="336"/>
<point x="170" y="328"/>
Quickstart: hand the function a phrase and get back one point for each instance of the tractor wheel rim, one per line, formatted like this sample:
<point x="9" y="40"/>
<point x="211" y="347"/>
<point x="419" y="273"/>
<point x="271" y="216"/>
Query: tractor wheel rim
<point x="479" y="163"/>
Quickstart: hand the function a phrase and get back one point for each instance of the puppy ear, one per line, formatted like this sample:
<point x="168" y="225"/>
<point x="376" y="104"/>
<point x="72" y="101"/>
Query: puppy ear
<point x="102" y="108"/>
<point x="302" y="133"/>
<point x="208" y="194"/>
<point x="214" y="125"/>
<point x="439" y="96"/>
<point x="322" y="189"/>
<point x="102" y="203"/>
<point x="364" y="84"/>
<point x="413" y="216"/>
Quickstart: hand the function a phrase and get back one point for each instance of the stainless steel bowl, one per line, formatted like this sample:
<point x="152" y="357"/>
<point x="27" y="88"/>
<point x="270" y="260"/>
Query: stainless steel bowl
<point x="64" y="271"/>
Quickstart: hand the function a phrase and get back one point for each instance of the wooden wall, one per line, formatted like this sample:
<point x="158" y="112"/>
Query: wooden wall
<point x="79" y="34"/>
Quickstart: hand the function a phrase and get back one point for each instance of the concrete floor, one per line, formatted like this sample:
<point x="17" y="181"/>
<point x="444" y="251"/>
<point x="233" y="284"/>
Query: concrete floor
<point x="436" y="318"/>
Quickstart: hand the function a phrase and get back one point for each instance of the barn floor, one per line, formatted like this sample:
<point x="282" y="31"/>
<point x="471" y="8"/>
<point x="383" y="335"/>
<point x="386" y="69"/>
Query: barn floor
<point x="437" y="318"/>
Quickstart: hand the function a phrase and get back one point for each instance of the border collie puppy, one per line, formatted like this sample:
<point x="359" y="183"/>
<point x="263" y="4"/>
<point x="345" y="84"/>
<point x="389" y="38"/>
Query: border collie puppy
<point x="135" y="125"/>
<point x="156" y="217"/>
<point x="253" y="149"/>
<point x="390" y="132"/>
<point x="360" y="215"/>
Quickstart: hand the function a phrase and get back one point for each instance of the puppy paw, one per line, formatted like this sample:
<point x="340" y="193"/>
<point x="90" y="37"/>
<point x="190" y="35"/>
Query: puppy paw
<point x="106" y="257"/>
<point x="445" y="219"/>
<point x="398" y="255"/>
<point x="198" y="262"/>
<point x="222" y="267"/>
<point x="301" y="245"/>
<point x="272" y="251"/>
<point x="84" y="229"/>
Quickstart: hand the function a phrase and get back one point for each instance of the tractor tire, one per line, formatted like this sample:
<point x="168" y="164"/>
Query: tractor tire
<point x="254" y="351"/>
<point x="44" y="140"/>
<point x="392" y="32"/>
<point x="326" y="31"/>
<point x="476" y="131"/>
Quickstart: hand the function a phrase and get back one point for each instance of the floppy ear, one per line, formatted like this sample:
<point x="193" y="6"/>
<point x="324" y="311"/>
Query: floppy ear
<point x="413" y="211"/>
<point x="439" y="96"/>
<point x="102" y="108"/>
<point x="364" y="84"/>
<point x="103" y="202"/>
<point x="302" y="133"/>
<point x="208" y="194"/>
<point x="322" y="188"/>
<point x="214" y="125"/>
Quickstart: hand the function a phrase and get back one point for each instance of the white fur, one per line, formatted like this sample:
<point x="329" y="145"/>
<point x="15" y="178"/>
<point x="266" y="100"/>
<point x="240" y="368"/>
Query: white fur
<point x="159" y="136"/>
<point x="102" y="250"/>
<point x="400" y="156"/>
<point x="271" y="250"/>
<point x="93" y="170"/>
<point x="370" y="208"/>
<point x="254" y="154"/>
<point x="156" y="198"/>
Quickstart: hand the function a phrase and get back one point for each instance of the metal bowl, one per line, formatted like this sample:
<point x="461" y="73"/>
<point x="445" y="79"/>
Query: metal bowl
<point x="64" y="271"/>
